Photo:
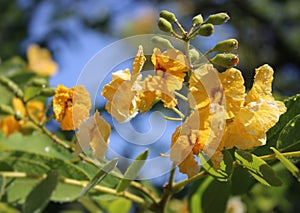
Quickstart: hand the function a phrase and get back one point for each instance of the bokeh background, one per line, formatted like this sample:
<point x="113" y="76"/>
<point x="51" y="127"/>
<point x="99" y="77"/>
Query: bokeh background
<point x="268" y="31"/>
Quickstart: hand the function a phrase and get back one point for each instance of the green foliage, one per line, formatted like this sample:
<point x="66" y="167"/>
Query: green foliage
<point x="107" y="168"/>
<point x="210" y="196"/>
<point x="288" y="164"/>
<point x="258" y="168"/>
<point x="226" y="166"/>
<point x="132" y="171"/>
<point x="41" y="193"/>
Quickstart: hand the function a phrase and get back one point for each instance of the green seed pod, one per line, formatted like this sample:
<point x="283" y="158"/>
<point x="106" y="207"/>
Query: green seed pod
<point x="10" y="85"/>
<point x="165" y="25"/>
<point x="226" y="45"/>
<point x="167" y="15"/>
<point x="206" y="30"/>
<point x="197" y="20"/>
<point x="38" y="82"/>
<point x="219" y="18"/>
<point x="226" y="60"/>
<point x="5" y="109"/>
<point x="194" y="55"/>
<point x="161" y="42"/>
<point x="48" y="92"/>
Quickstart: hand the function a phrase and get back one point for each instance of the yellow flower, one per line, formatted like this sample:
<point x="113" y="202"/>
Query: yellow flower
<point x="40" y="61"/>
<point x="121" y="92"/>
<point x="10" y="125"/>
<point x="257" y="115"/>
<point x="170" y="68"/>
<point x="248" y="117"/>
<point x="71" y="106"/>
<point x="94" y="132"/>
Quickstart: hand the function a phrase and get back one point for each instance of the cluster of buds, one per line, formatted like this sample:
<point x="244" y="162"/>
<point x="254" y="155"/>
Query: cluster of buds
<point x="202" y="27"/>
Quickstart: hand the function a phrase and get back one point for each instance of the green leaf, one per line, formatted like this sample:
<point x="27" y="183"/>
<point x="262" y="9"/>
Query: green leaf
<point x="99" y="176"/>
<point x="24" y="165"/>
<point x="288" y="164"/>
<point x="226" y="166"/>
<point x="241" y="181"/>
<point x="119" y="205"/>
<point x="211" y="196"/>
<point x="132" y="171"/>
<point x="4" y="208"/>
<point x="2" y="186"/>
<point x="289" y="137"/>
<point x="18" y="190"/>
<point x="66" y="193"/>
<point x="39" y="197"/>
<point x="293" y="108"/>
<point x="258" y="168"/>
<point x="35" y="143"/>
<point x="65" y="168"/>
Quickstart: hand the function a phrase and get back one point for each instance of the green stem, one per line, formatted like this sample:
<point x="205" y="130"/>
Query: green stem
<point x="181" y="28"/>
<point x="286" y="154"/>
<point x="180" y="185"/>
<point x="178" y="112"/>
<point x="167" y="192"/>
<point x="172" y="119"/>
<point x="73" y="182"/>
<point x="182" y="97"/>
<point x="176" y="35"/>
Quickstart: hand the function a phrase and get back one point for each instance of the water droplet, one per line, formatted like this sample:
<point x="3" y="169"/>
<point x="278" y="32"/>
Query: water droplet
<point x="47" y="149"/>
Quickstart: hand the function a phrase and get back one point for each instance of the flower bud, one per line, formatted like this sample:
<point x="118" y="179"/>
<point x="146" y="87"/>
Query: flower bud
<point x="216" y="19"/>
<point x="165" y="25"/>
<point x="197" y="20"/>
<point x="206" y="30"/>
<point x="226" y="45"/>
<point x="5" y="109"/>
<point x="10" y="85"/>
<point x="161" y="42"/>
<point x="38" y="82"/>
<point x="167" y="15"/>
<point x="48" y="92"/>
<point x="225" y="60"/>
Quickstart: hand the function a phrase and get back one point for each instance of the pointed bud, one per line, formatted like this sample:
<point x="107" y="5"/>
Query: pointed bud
<point x="12" y="86"/>
<point x="197" y="20"/>
<point x="206" y="30"/>
<point x="219" y="18"/>
<point x="165" y="25"/>
<point x="38" y="82"/>
<point x="48" y="92"/>
<point x="225" y="60"/>
<point x="5" y="109"/>
<point x="161" y="42"/>
<point x="167" y="15"/>
<point x="226" y="45"/>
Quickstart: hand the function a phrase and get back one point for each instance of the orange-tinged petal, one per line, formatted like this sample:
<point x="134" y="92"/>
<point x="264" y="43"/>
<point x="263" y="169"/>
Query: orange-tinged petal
<point x="252" y="122"/>
<point x="71" y="106"/>
<point x="18" y="106"/>
<point x="9" y="125"/>
<point x="122" y="91"/>
<point x="262" y="85"/>
<point x="138" y="63"/>
<point x="40" y="61"/>
<point x="171" y="61"/>
<point x="94" y="133"/>
<point x="162" y="86"/>
<point x="233" y="86"/>
<point x="181" y="152"/>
